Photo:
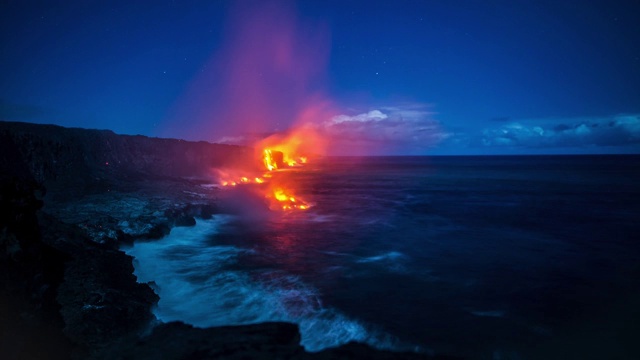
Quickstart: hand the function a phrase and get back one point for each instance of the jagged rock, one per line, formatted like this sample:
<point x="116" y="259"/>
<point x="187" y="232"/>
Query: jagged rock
<point x="100" y="300"/>
<point x="272" y="340"/>
<point x="97" y="160"/>
<point x="177" y="340"/>
<point x="159" y="231"/>
<point x="30" y="272"/>
<point x="185" y="221"/>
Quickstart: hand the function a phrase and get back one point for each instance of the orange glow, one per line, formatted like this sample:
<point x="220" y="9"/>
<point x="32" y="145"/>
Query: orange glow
<point x="234" y="177"/>
<point x="280" y="195"/>
<point x="268" y="160"/>
<point x="294" y="148"/>
<point x="285" y="200"/>
<point x="275" y="154"/>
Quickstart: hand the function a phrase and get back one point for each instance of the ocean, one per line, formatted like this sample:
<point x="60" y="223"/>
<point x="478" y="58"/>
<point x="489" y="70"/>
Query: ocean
<point x="508" y="257"/>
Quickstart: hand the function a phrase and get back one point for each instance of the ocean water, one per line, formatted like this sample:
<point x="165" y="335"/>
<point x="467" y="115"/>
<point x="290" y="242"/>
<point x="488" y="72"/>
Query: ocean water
<point x="479" y="257"/>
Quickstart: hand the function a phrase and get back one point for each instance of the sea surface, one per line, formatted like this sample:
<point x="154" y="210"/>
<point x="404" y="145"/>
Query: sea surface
<point x="510" y="257"/>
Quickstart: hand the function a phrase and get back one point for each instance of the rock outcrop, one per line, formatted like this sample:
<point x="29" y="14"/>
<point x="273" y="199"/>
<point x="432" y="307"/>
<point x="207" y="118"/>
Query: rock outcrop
<point x="75" y="162"/>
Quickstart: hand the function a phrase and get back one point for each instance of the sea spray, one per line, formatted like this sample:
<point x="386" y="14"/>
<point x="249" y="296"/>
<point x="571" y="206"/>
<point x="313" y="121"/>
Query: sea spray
<point x="200" y="283"/>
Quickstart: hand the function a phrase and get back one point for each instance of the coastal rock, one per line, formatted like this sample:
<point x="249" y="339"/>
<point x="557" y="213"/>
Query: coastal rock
<point x="271" y="340"/>
<point x="177" y="340"/>
<point x="95" y="160"/>
<point x="30" y="274"/>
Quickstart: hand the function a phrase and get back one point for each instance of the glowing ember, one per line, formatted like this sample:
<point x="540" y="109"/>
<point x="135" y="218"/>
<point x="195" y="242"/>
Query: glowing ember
<point x="280" y="197"/>
<point x="286" y="201"/>
<point x="228" y="181"/>
<point x="278" y="153"/>
<point x="269" y="161"/>
<point x="291" y="149"/>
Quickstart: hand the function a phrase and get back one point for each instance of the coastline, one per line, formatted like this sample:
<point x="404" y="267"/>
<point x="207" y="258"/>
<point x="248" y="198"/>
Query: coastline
<point x="66" y="212"/>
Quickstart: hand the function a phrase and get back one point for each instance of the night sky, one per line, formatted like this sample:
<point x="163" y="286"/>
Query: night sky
<point x="390" y="77"/>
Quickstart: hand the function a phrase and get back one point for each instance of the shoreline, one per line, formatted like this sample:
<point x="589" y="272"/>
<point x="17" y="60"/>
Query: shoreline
<point x="65" y="213"/>
<point x="225" y="294"/>
<point x="106" y="313"/>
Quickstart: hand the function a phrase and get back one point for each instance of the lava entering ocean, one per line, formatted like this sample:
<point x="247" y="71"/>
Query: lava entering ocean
<point x="270" y="74"/>
<point x="276" y="155"/>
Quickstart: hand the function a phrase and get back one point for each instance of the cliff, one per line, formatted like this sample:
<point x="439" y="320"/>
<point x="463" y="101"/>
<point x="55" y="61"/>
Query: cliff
<point x="83" y="161"/>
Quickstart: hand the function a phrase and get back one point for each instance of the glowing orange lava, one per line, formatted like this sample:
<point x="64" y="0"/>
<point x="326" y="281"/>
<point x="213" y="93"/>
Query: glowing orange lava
<point x="285" y="200"/>
<point x="278" y="153"/>
<point x="269" y="161"/>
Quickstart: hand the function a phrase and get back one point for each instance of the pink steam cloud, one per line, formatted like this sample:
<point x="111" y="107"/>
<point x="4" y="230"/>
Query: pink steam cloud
<point x="269" y="69"/>
<point x="268" y="80"/>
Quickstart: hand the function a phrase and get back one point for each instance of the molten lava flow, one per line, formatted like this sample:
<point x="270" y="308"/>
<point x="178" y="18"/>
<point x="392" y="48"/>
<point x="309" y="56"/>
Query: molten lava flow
<point x="269" y="161"/>
<point x="236" y="177"/>
<point x="285" y="200"/>
<point x="296" y="146"/>
<point x="277" y="189"/>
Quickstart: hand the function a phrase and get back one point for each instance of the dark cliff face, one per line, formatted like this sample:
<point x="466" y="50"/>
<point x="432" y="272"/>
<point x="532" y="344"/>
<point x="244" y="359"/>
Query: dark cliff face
<point x="85" y="160"/>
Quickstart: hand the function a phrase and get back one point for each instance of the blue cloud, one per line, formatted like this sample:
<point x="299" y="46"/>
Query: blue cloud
<point x="619" y="130"/>
<point x="407" y="124"/>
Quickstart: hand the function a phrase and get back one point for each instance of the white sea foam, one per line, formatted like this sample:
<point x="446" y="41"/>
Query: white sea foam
<point x="195" y="287"/>
<point x="389" y="256"/>
<point x="393" y="261"/>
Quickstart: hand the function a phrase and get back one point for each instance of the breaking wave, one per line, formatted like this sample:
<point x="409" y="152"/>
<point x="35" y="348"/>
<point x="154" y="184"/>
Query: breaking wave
<point x="197" y="284"/>
<point x="389" y="256"/>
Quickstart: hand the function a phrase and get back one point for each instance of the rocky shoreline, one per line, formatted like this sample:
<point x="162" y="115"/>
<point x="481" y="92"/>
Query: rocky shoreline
<point x="69" y="198"/>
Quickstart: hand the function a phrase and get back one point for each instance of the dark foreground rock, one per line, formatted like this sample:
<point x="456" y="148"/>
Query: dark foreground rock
<point x="30" y="273"/>
<point x="67" y="291"/>
<point x="62" y="294"/>
<point x="273" y="340"/>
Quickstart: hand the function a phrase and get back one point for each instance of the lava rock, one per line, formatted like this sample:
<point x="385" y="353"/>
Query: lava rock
<point x="158" y="231"/>
<point x="185" y="221"/>
<point x="177" y="340"/>
<point x="30" y="322"/>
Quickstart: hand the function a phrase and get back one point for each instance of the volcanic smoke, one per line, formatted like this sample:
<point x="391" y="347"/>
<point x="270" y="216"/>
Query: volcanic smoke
<point x="264" y="89"/>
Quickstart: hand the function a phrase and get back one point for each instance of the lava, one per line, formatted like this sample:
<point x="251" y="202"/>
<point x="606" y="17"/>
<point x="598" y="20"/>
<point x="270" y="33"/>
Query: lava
<point x="269" y="161"/>
<point x="277" y="190"/>
<point x="285" y="200"/>
<point x="270" y="74"/>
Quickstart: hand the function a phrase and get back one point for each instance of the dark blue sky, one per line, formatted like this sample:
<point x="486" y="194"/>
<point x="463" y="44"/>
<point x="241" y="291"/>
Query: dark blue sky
<point x="409" y="77"/>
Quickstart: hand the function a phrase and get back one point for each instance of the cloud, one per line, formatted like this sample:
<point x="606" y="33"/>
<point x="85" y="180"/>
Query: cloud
<point x="373" y="115"/>
<point x="408" y="126"/>
<point x="231" y="140"/>
<point x="619" y="130"/>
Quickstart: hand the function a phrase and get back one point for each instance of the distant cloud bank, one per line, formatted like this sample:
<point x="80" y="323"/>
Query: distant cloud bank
<point x="392" y="128"/>
<point x="574" y="135"/>
<point x="616" y="130"/>
<point x="412" y="129"/>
